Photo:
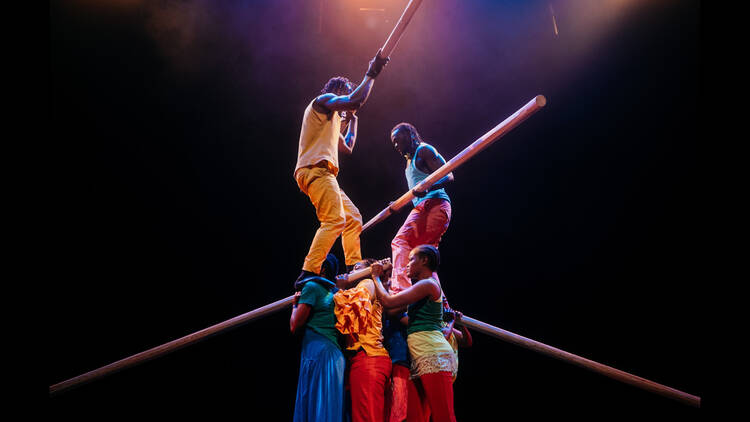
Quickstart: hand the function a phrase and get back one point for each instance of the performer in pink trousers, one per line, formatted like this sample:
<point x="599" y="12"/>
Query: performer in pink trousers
<point x="431" y="215"/>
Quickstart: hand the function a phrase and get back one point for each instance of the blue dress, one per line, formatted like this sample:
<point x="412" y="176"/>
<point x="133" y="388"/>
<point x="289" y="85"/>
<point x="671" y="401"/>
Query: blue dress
<point x="320" y="388"/>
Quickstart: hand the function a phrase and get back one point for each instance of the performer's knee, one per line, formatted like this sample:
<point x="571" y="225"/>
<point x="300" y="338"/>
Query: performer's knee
<point x="354" y="222"/>
<point x="399" y="242"/>
<point x="338" y="225"/>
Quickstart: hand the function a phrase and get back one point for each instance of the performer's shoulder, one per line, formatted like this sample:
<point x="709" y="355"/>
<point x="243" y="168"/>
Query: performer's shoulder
<point x="425" y="150"/>
<point x="313" y="287"/>
<point x="324" y="97"/>
<point x="318" y="103"/>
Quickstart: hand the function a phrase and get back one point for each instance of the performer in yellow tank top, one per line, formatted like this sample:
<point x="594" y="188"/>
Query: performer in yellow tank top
<point x="318" y="164"/>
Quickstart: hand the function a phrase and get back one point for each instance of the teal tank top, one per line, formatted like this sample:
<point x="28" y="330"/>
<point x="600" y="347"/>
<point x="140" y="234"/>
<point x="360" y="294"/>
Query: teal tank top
<point x="415" y="175"/>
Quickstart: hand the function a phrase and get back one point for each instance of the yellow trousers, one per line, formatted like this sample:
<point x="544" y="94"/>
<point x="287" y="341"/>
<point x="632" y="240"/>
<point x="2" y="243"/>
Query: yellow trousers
<point x="337" y="215"/>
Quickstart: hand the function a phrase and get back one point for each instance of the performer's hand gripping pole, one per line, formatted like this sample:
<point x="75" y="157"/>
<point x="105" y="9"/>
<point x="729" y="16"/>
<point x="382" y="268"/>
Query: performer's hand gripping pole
<point x="480" y="144"/>
<point x="191" y="338"/>
<point x="357" y="275"/>
<point x="398" y="30"/>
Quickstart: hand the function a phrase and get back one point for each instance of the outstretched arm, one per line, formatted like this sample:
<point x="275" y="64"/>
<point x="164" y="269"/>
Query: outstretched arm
<point x="327" y="103"/>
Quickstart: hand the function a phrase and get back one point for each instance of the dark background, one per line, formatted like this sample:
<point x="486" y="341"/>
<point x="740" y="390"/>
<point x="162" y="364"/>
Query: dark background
<point x="176" y="126"/>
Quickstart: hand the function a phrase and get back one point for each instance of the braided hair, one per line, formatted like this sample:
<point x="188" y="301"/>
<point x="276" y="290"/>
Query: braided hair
<point x="416" y="139"/>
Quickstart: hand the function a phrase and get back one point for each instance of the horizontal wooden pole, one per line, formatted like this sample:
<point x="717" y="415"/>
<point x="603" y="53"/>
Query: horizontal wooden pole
<point x="591" y="365"/>
<point x="534" y="105"/>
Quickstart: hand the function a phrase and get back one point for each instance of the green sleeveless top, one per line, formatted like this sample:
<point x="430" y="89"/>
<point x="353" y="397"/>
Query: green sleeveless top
<point x="322" y="319"/>
<point x="425" y="315"/>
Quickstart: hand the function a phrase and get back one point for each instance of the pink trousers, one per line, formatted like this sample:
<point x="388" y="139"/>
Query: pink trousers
<point x="426" y="224"/>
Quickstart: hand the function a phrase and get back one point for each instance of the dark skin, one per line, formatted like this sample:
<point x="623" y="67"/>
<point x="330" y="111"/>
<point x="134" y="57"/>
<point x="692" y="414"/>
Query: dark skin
<point x="342" y="280"/>
<point x="427" y="160"/>
<point x="300" y="314"/>
<point x="349" y="132"/>
<point x="462" y="334"/>
<point x="342" y="100"/>
<point x="393" y="312"/>
<point x="417" y="269"/>
<point x="346" y="102"/>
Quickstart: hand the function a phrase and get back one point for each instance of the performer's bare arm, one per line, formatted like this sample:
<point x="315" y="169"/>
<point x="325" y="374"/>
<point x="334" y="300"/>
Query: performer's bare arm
<point x="403" y="298"/>
<point x="346" y="142"/>
<point x="448" y="330"/>
<point x="395" y="312"/>
<point x="329" y="102"/>
<point x="463" y="336"/>
<point x="300" y="314"/>
<point x="429" y="161"/>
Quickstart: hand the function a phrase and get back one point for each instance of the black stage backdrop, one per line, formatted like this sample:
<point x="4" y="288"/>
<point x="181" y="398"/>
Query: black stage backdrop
<point x="176" y="125"/>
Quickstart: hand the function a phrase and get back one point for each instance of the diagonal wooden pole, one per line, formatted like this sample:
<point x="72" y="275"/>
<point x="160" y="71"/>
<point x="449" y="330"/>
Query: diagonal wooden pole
<point x="169" y="347"/>
<point x="477" y="146"/>
<point x="591" y="365"/>
<point x="190" y="339"/>
<point x="480" y="326"/>
<point x="400" y="27"/>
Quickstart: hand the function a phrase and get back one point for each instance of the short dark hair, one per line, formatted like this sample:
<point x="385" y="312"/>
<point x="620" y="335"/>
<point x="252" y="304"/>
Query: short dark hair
<point x="431" y="253"/>
<point x="337" y="83"/>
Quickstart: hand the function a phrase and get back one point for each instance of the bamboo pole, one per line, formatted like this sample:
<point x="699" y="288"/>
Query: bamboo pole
<point x="591" y="365"/>
<point x="191" y="338"/>
<point x="467" y="321"/>
<point x="480" y="144"/>
<point x="398" y="30"/>
<point x="169" y="347"/>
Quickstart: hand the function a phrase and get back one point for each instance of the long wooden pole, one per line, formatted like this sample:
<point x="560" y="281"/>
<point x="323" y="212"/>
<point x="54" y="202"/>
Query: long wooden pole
<point x="190" y="339"/>
<point x="480" y="144"/>
<point x="400" y="27"/>
<point x="169" y="347"/>
<point x="591" y="365"/>
<point x="467" y="321"/>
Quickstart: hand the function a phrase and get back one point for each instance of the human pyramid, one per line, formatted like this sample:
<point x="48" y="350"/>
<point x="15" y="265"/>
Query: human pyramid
<point x="382" y="348"/>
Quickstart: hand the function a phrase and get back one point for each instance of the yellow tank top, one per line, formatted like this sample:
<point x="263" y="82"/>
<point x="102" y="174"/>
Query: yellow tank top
<point x="319" y="140"/>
